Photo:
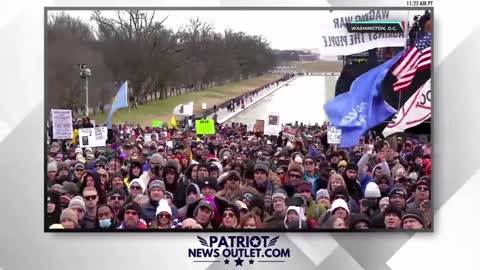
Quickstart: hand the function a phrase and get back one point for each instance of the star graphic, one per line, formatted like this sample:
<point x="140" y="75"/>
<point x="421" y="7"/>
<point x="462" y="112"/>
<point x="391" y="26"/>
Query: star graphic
<point x="239" y="262"/>
<point x="226" y="261"/>
<point x="255" y="242"/>
<point x="251" y="261"/>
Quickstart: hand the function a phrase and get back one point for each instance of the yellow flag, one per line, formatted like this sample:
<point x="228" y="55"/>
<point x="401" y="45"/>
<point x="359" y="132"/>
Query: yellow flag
<point x="173" y="122"/>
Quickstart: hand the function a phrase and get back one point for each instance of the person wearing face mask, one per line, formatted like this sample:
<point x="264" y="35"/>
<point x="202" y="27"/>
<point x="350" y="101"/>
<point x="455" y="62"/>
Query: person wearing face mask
<point x="105" y="218"/>
<point x="156" y="163"/>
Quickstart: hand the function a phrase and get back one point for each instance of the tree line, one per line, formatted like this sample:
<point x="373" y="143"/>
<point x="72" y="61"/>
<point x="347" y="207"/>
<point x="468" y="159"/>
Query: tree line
<point x="157" y="61"/>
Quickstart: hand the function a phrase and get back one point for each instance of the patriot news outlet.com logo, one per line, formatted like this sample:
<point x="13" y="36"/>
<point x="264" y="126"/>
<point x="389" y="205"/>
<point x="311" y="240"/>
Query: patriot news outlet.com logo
<point x="239" y="250"/>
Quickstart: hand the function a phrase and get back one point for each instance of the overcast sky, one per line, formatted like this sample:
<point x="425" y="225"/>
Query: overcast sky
<point x="283" y="29"/>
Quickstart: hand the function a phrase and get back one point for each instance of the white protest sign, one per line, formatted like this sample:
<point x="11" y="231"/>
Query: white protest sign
<point x="416" y="110"/>
<point x="336" y="40"/>
<point x="273" y="126"/>
<point x="93" y="137"/>
<point x="62" y="124"/>
<point x="204" y="106"/>
<point x="148" y="137"/>
<point x="333" y="135"/>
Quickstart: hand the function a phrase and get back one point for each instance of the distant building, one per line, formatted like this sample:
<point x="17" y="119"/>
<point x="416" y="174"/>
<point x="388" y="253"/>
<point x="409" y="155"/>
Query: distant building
<point x="308" y="57"/>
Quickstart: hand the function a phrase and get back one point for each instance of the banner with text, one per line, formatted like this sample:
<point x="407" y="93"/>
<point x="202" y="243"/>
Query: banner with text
<point x="93" y="137"/>
<point x="62" y="124"/>
<point x="336" y="40"/>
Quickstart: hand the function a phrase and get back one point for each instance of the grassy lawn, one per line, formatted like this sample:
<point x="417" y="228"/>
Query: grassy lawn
<point x="318" y="66"/>
<point x="162" y="109"/>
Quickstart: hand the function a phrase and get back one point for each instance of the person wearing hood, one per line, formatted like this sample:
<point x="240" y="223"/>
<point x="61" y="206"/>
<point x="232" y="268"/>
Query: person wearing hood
<point x="215" y="169"/>
<point x="384" y="182"/>
<point x="276" y="219"/>
<point x="350" y="177"/>
<point x="156" y="164"/>
<point x="339" y="209"/>
<point x="313" y="210"/>
<point x="171" y="176"/>
<point x="51" y="173"/>
<point x="53" y="207"/>
<point x="231" y="187"/>
<point x="135" y="171"/>
<point x="295" y="219"/>
<point x="230" y="217"/>
<point x="312" y="175"/>
<point x="294" y="176"/>
<point x="192" y="194"/>
<point x="204" y="213"/>
<point x="156" y="192"/>
<point x="92" y="179"/>
<point x="136" y="188"/>
<point x="192" y="172"/>
<point x="164" y="219"/>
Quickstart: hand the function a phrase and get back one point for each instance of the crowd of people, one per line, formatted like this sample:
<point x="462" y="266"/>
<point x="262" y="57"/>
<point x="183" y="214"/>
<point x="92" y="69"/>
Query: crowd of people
<point x="237" y="179"/>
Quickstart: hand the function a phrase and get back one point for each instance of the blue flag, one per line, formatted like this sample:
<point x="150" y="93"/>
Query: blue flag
<point x="121" y="101"/>
<point x="363" y="106"/>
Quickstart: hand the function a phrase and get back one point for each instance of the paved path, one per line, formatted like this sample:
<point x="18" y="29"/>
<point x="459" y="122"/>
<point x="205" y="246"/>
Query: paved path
<point x="224" y="115"/>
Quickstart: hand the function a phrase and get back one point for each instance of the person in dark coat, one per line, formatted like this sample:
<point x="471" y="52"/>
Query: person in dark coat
<point x="53" y="207"/>
<point x="171" y="177"/>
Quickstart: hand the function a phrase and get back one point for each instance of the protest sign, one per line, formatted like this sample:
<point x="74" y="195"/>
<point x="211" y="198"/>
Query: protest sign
<point x="157" y="123"/>
<point x="93" y="137"/>
<point x="148" y="136"/>
<point x="336" y="40"/>
<point x="333" y="135"/>
<point x="273" y="126"/>
<point x="205" y="126"/>
<point x="62" y="124"/>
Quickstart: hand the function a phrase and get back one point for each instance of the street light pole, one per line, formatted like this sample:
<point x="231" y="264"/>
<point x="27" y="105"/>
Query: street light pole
<point x="84" y="74"/>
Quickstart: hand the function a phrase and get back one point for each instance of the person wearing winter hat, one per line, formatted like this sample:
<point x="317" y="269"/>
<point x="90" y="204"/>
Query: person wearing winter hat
<point x="340" y="209"/>
<point x="51" y="173"/>
<point x="398" y="197"/>
<point x="392" y="216"/>
<point x="359" y="222"/>
<point x="208" y="187"/>
<point x="203" y="171"/>
<point x="383" y="204"/>
<point x="276" y="219"/>
<point x="132" y="217"/>
<point x="413" y="220"/>
<point x="231" y="217"/>
<point x="163" y="216"/>
<point x="421" y="194"/>
<point x="350" y="177"/>
<point x="322" y="197"/>
<point x="78" y="204"/>
<point x="156" y="163"/>
<point x="156" y="192"/>
<point x="215" y="169"/>
<point x="116" y="199"/>
<point x="313" y="210"/>
<point x="78" y="172"/>
<point x="56" y="187"/>
<point x="231" y="188"/>
<point x="117" y="182"/>
<point x="53" y="207"/>
<point x="203" y="214"/>
<point x="294" y="176"/>
<point x="63" y="170"/>
<point x="69" y="219"/>
<point x="69" y="189"/>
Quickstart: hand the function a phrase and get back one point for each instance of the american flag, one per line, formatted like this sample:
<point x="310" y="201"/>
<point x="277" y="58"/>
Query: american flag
<point x="416" y="58"/>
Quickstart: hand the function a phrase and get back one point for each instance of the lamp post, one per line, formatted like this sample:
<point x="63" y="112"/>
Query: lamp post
<point x="85" y="73"/>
